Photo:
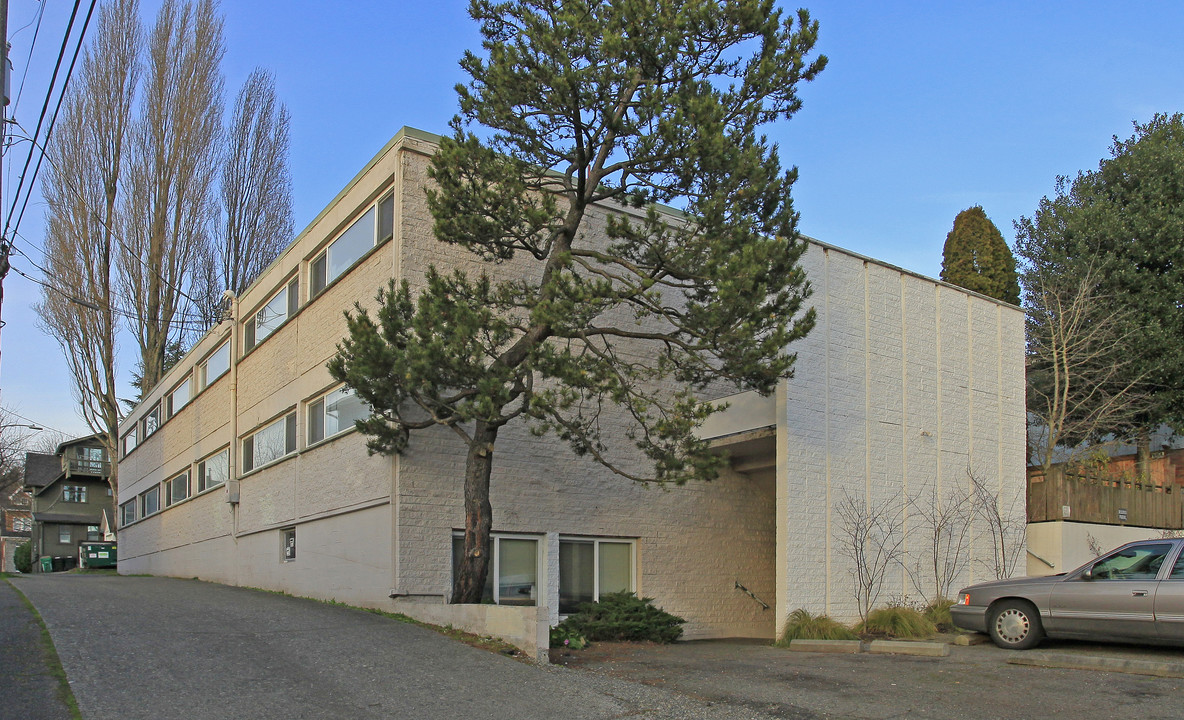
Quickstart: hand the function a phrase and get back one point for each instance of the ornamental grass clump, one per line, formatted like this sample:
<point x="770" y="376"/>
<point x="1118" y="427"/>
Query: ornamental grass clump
<point x="898" y="622"/>
<point x="938" y="613"/>
<point x="621" y="616"/>
<point x="804" y="626"/>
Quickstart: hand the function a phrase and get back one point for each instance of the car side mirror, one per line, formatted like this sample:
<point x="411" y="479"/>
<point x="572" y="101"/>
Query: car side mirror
<point x="1088" y="574"/>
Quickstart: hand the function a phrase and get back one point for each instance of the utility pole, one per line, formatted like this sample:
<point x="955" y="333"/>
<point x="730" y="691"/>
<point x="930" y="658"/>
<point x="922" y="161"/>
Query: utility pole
<point x="5" y="81"/>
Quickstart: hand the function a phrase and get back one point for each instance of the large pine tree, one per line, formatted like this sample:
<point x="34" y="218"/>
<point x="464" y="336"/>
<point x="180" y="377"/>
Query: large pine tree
<point x="580" y="105"/>
<point x="977" y="258"/>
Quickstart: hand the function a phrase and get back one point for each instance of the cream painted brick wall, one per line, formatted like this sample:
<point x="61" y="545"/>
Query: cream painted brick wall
<point x="883" y="399"/>
<point x="903" y="384"/>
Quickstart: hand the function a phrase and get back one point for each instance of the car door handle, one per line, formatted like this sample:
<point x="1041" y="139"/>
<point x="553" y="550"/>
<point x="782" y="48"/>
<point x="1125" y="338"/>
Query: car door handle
<point x="1139" y="593"/>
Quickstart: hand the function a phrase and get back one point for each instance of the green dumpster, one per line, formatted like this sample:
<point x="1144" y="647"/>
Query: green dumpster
<point x="47" y="564"/>
<point x="97" y="554"/>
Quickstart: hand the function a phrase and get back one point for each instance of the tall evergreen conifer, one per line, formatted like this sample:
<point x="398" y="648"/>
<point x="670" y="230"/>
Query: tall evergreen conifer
<point x="977" y="258"/>
<point x="589" y="108"/>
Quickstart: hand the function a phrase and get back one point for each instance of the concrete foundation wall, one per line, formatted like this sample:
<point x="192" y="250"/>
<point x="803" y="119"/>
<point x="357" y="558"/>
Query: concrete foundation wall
<point x="527" y="628"/>
<point x="1068" y="545"/>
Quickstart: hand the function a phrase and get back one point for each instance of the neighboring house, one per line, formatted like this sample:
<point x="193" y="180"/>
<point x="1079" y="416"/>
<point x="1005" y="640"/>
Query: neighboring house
<point x="242" y="465"/>
<point x="16" y="524"/>
<point x="71" y="494"/>
<point x="1083" y="508"/>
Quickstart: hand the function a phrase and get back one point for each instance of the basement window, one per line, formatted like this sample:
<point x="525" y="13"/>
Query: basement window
<point x="513" y="578"/>
<point x="288" y="550"/>
<point x="590" y="568"/>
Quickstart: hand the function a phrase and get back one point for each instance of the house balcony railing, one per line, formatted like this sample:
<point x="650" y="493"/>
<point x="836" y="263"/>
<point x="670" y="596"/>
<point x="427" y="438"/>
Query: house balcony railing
<point x="87" y="466"/>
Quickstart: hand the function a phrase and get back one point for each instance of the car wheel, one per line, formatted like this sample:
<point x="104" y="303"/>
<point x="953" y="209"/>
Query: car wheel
<point x="1015" y="625"/>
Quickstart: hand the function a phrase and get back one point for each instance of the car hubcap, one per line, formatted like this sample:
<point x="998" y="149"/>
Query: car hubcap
<point x="1012" y="625"/>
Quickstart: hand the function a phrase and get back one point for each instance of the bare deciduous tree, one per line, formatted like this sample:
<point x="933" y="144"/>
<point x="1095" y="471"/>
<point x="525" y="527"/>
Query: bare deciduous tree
<point x="1083" y="384"/>
<point x="256" y="220"/>
<point x="944" y="523"/>
<point x="169" y="207"/>
<point x="81" y="190"/>
<point x="1005" y="520"/>
<point x="871" y="536"/>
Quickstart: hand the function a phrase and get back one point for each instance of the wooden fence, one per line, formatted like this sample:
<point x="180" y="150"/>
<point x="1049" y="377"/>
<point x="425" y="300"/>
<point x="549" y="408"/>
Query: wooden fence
<point x="1108" y="496"/>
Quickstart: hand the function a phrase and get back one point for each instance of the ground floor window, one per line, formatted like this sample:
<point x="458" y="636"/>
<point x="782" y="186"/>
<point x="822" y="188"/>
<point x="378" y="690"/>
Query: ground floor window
<point x="64" y="536"/>
<point x="514" y="577"/>
<point x="288" y="536"/>
<point x="589" y="568"/>
<point x="93" y="532"/>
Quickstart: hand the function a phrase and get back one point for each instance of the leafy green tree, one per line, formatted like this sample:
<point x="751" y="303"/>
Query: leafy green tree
<point x="977" y="258"/>
<point x="588" y="109"/>
<point x="1121" y="228"/>
<point x="22" y="557"/>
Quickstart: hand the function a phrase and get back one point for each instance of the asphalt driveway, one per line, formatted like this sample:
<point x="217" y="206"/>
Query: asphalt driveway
<point x="160" y="648"/>
<point x="143" y="647"/>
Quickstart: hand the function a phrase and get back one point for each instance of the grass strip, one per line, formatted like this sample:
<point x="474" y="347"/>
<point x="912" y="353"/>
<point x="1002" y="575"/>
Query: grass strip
<point x="50" y="654"/>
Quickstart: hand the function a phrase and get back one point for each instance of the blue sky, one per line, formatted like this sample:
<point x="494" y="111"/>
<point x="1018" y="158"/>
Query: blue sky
<point x="925" y="109"/>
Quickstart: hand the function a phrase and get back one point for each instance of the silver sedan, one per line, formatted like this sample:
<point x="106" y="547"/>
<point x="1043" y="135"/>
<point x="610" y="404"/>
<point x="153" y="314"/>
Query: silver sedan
<point x="1132" y="594"/>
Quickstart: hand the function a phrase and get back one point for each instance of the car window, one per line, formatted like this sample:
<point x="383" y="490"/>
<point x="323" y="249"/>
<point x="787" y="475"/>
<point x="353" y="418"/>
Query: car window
<point x="1141" y="562"/>
<point x="1178" y="568"/>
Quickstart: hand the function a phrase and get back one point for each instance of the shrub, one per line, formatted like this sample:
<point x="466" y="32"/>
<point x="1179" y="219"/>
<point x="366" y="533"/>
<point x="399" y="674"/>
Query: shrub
<point x="938" y="613"/>
<point x="562" y="636"/>
<point x="621" y="616"/>
<point x="22" y="557"/>
<point x="804" y="626"/>
<point x="898" y="622"/>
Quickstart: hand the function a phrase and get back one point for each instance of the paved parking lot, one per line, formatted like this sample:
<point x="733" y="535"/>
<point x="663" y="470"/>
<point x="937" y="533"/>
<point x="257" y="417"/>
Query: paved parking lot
<point x="973" y="682"/>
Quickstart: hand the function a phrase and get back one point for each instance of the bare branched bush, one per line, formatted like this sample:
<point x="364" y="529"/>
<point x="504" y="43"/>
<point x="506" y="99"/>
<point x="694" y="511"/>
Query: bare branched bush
<point x="1005" y="523"/>
<point x="870" y="535"/>
<point x="944" y="521"/>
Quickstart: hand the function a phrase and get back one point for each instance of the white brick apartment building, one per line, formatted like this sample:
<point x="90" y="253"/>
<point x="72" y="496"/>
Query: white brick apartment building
<point x="241" y="466"/>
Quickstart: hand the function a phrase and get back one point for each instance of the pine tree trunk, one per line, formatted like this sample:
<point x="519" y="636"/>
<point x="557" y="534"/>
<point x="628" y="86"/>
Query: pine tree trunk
<point x="475" y="563"/>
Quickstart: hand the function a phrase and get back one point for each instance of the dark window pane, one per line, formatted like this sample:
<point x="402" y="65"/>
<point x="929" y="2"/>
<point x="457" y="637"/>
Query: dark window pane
<point x="386" y="218"/>
<point x="577" y="569"/>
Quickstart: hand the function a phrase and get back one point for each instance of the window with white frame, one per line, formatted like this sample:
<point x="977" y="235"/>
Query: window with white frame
<point x="131" y="440"/>
<point x="270" y="444"/>
<point x="215" y="365"/>
<point x="334" y="413"/>
<point x="65" y="535"/>
<point x="178" y="398"/>
<point x="513" y="578"/>
<point x="93" y="532"/>
<point x="213" y="471"/>
<point x="177" y="489"/>
<point x="278" y="309"/>
<point x="590" y="568"/>
<point x="152" y="420"/>
<point x="288" y="549"/>
<point x="127" y="513"/>
<point x="150" y="501"/>
<point x="373" y="227"/>
<point x="74" y="493"/>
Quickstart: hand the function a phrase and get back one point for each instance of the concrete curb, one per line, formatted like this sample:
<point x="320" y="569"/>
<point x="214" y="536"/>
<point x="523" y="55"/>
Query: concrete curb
<point x="1072" y="661"/>
<point x="881" y="647"/>
<point x="904" y="647"/>
<point x="826" y="646"/>
<point x="968" y="640"/>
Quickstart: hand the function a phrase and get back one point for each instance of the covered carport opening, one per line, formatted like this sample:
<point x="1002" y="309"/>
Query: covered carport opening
<point x="752" y="459"/>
